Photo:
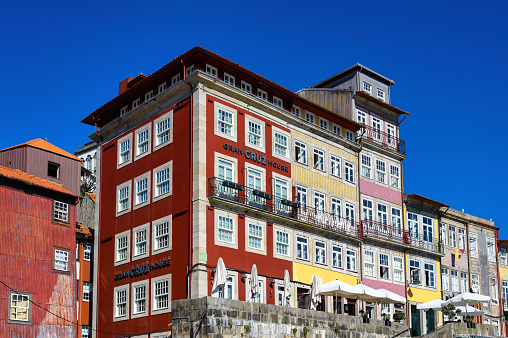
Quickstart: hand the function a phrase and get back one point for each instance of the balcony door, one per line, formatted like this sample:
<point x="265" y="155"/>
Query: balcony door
<point x="281" y="192"/>
<point x="376" y="128"/>
<point x="319" y="207"/>
<point x="225" y="173"/>
<point x="427" y="232"/>
<point x="254" y="183"/>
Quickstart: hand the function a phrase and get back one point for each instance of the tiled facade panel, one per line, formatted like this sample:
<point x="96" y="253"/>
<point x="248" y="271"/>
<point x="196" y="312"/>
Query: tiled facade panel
<point x="460" y="258"/>
<point x="380" y="191"/>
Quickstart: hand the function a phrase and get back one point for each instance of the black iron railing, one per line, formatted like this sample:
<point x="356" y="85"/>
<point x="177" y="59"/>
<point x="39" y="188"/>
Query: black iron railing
<point x="380" y="230"/>
<point x="385" y="139"/>
<point x="426" y="242"/>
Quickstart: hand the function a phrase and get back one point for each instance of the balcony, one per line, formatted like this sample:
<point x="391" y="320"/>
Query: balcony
<point x="377" y="230"/>
<point x="260" y="200"/>
<point x="426" y="243"/>
<point x="504" y="303"/>
<point x="384" y="139"/>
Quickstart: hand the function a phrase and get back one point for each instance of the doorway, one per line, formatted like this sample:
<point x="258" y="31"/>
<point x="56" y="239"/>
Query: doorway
<point x="415" y="322"/>
<point x="431" y="323"/>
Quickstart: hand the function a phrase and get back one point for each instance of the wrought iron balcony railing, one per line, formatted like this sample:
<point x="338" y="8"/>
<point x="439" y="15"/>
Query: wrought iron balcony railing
<point x="265" y="201"/>
<point x="380" y="230"/>
<point x="385" y="139"/>
<point x="426" y="243"/>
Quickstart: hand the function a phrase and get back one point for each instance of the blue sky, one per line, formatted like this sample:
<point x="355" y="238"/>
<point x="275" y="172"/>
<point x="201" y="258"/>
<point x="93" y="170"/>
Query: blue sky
<point x="62" y="60"/>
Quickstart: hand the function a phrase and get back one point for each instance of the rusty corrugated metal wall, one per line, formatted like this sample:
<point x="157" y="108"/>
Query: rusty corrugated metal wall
<point x="27" y="242"/>
<point x="338" y="101"/>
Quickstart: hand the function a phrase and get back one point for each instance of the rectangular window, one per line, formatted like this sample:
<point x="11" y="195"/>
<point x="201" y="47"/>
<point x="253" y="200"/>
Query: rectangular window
<point x="445" y="279"/>
<point x="390" y="130"/>
<point x="123" y="198"/>
<point x="121" y="303"/>
<point x="475" y="280"/>
<point x="382" y="215"/>
<point x="246" y="87"/>
<point x="381" y="94"/>
<point x="502" y="257"/>
<point x="505" y="290"/>
<point x="427" y="229"/>
<point x="384" y="266"/>
<point x="324" y="123"/>
<point x="124" y="111"/>
<point x="281" y="144"/>
<point x="349" y="172"/>
<point x="229" y="79"/>
<point x="225" y="122"/>
<point x="335" y="165"/>
<point x="491" y="249"/>
<point x="394" y="176"/>
<point x="493" y="290"/>
<point x="149" y="96"/>
<point x="300" y="152"/>
<point x="140" y="242"/>
<point x="175" y="79"/>
<point x="369" y="263"/>
<point x="380" y="171"/>
<point x="397" y="220"/>
<point x="455" y="280"/>
<point x="161" y="295"/>
<point x="262" y="95"/>
<point x="255" y="239"/>
<point x="210" y="70"/>
<point x="473" y="244"/>
<point x="87" y="290"/>
<point x="368" y="213"/>
<point x="226" y="230"/>
<point x="361" y="117"/>
<point x="61" y="212"/>
<point x="367" y="88"/>
<point x="320" y="252"/>
<point x="351" y="260"/>
<point x="189" y="70"/>
<point x="162" y="235"/>
<point x="139" y="299"/>
<point x="297" y="111"/>
<point x="227" y="290"/>
<point x="19" y="307"/>
<point x="87" y="253"/>
<point x="414" y="272"/>
<point x="336" y="130"/>
<point x="350" y="136"/>
<point x="125" y="151"/>
<point x="442" y="233"/>
<point x="462" y="239"/>
<point x="452" y="236"/>
<point x="136" y="103"/>
<point x="61" y="260"/>
<point x="163" y="129"/>
<point x="319" y="159"/>
<point x="142" y="141"/>
<point x="398" y="269"/>
<point x="282" y="243"/>
<point x="225" y="170"/>
<point x="336" y="209"/>
<point x="85" y="331"/>
<point x="309" y="117"/>
<point x="121" y="248"/>
<point x="429" y="275"/>
<point x="162" y="181"/>
<point x="336" y="256"/>
<point x="162" y="87"/>
<point x="366" y="166"/>
<point x="142" y="190"/>
<point x="302" y="248"/>
<point x="277" y="102"/>
<point x="53" y="170"/>
<point x="463" y="282"/>
<point x="254" y="134"/>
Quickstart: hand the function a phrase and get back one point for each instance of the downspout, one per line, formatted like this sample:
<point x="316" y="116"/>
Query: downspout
<point x="189" y="258"/>
<point x="501" y="321"/>
<point x="96" y="266"/>
<point x="469" y="256"/>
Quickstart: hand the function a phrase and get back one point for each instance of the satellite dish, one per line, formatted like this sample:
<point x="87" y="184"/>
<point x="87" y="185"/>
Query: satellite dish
<point x="476" y="288"/>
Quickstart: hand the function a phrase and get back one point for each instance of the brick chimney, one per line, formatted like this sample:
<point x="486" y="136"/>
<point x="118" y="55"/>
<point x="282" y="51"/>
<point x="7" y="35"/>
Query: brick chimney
<point x="122" y="87"/>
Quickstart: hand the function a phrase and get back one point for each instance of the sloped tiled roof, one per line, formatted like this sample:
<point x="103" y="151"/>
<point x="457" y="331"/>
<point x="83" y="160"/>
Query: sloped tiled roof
<point x="92" y="196"/>
<point x="45" y="145"/>
<point x="21" y="176"/>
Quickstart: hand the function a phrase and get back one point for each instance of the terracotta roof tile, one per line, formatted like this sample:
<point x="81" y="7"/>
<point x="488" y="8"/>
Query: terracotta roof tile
<point x="19" y="175"/>
<point x="92" y="196"/>
<point x="45" y="145"/>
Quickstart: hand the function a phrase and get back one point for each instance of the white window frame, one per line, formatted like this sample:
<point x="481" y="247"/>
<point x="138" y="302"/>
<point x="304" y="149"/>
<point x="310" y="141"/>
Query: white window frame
<point x="136" y="103"/>
<point x="124" y="111"/>
<point x="369" y="263"/>
<point x="263" y="95"/>
<point x="335" y="165"/>
<point x="310" y="117"/>
<point x="134" y="287"/>
<point x="261" y="125"/>
<point x="149" y="96"/>
<point x="256" y="236"/>
<point x="154" y="281"/>
<point x="157" y="186"/>
<point x="234" y="232"/>
<point x="320" y="252"/>
<point x="61" y="212"/>
<point x="491" y="249"/>
<point x="351" y="260"/>
<point x="137" y="192"/>
<point x="119" y="189"/>
<point x="416" y="267"/>
<point x="384" y="265"/>
<point x="85" y="331"/>
<point x="22" y="301"/>
<point x="246" y="87"/>
<point x="121" y="162"/>
<point x="367" y="87"/>
<point x="175" y="79"/>
<point x="454" y="274"/>
<point x="464" y="282"/>
<point x="227" y="124"/>
<point x="503" y="259"/>
<point x="431" y="273"/>
<point x="159" y="143"/>
<point x="381" y="95"/>
<point x="261" y="296"/>
<point x="302" y="248"/>
<point x="473" y="238"/>
<point x="61" y="264"/>
<point x="318" y="159"/>
<point x="124" y="237"/>
<point x="87" y="291"/>
<point x="286" y="156"/>
<point x="302" y="153"/>
<point x="137" y="240"/>
<point x="297" y="111"/>
<point x="167" y="220"/>
<point x="87" y="251"/>
<point x="475" y="280"/>
<point x="349" y="135"/>
<point x="452" y="236"/>
<point x="146" y="129"/>
<point x="283" y="242"/>
<point x="116" y="316"/>
<point x="380" y="171"/>
<point x="278" y="102"/>
<point x="366" y="163"/>
<point x="189" y="70"/>
<point x="398" y="269"/>
<point x="394" y="176"/>
<point x="229" y="79"/>
<point x="462" y="238"/>
<point x="336" y="259"/>
<point x="162" y="88"/>
<point x="445" y="279"/>
<point x="349" y="172"/>
<point x="211" y="70"/>
<point x="336" y="129"/>
<point x="323" y="123"/>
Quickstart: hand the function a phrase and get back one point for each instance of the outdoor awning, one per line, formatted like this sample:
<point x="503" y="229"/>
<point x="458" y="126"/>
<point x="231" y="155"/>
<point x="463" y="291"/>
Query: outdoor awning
<point x="340" y="289"/>
<point x="467" y="298"/>
<point x="369" y="294"/>
<point x="392" y="297"/>
<point x="435" y="304"/>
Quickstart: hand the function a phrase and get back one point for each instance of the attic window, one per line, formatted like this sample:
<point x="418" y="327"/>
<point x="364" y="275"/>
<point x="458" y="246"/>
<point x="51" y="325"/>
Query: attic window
<point x="53" y="170"/>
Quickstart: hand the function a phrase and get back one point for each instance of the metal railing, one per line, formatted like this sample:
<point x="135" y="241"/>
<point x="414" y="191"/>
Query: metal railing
<point x="265" y="201"/>
<point x="380" y="230"/>
<point x="504" y="303"/>
<point x="425" y="242"/>
<point x="385" y="139"/>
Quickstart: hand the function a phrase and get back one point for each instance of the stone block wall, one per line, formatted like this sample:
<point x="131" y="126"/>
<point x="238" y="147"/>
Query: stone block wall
<point x="216" y="317"/>
<point x="461" y="330"/>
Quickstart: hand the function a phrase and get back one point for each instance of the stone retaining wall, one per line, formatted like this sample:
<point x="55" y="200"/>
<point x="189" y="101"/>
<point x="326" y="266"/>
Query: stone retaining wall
<point x="216" y="317"/>
<point x="461" y="330"/>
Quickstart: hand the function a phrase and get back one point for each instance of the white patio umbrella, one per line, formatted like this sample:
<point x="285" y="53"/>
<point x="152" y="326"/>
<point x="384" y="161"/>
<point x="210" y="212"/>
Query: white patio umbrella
<point x="470" y="311"/>
<point x="287" y="289"/>
<point x="221" y="275"/>
<point x="391" y="297"/>
<point x="338" y="288"/>
<point x="466" y="299"/>
<point x="435" y="304"/>
<point x="254" y="283"/>
<point x="315" y="292"/>
<point x="369" y="294"/>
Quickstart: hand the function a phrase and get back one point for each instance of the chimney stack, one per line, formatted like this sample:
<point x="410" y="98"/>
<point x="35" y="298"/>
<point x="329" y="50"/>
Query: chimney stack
<point x="122" y="87"/>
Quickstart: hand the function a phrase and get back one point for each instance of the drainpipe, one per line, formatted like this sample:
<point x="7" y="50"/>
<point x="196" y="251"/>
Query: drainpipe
<point x="501" y="321"/>
<point x="469" y="255"/>
<point x="98" y="248"/>
<point x="189" y="258"/>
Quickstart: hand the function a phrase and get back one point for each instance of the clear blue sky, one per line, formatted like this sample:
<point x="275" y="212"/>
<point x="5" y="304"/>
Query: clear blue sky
<point x="63" y="59"/>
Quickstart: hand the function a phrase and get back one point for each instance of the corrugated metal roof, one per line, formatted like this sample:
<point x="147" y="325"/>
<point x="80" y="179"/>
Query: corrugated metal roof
<point x="18" y="175"/>
<point x="197" y="49"/>
<point x="350" y="69"/>
<point x="45" y="145"/>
